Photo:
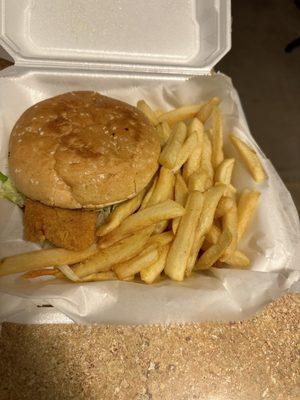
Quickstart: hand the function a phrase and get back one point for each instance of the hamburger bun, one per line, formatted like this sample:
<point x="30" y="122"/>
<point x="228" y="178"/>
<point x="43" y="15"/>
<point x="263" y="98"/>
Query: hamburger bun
<point x="82" y="150"/>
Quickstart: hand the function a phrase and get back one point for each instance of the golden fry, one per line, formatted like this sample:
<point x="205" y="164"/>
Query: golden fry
<point x="164" y="189"/>
<point x="161" y="227"/>
<point x="230" y="222"/>
<point x="250" y="158"/>
<point x="136" y="264"/>
<point x="180" y="114"/>
<point x="41" y="259"/>
<point x="181" y="194"/>
<point x="193" y="161"/>
<point x="40" y="272"/>
<point x="207" y="108"/>
<point x="211" y="199"/>
<point x="199" y="180"/>
<point x="148" y="195"/>
<point x="225" y="204"/>
<point x="181" y="246"/>
<point x="206" y="163"/>
<point x="238" y="260"/>
<point x="164" y="132"/>
<point x="213" y="234"/>
<point x="100" y="276"/>
<point x="217" y="138"/>
<point x="224" y="171"/>
<point x="170" y="152"/>
<point x="120" y="213"/>
<point x="213" y="254"/>
<point x="151" y="273"/>
<point x="181" y="190"/>
<point x="230" y="190"/>
<point x="186" y="150"/>
<point x="161" y="239"/>
<point x="196" y="246"/>
<point x="246" y="208"/>
<point x="147" y="110"/>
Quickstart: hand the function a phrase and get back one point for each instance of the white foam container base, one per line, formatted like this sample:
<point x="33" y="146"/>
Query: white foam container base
<point x="272" y="244"/>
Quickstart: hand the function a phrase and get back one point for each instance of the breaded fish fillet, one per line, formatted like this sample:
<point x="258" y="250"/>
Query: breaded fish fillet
<point x="70" y="229"/>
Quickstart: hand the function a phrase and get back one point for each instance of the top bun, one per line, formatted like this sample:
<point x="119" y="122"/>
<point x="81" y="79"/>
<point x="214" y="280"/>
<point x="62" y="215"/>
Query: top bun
<point x="82" y="150"/>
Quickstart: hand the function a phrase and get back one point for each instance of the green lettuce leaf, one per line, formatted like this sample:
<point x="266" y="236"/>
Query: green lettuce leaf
<point x="9" y="192"/>
<point x="103" y="215"/>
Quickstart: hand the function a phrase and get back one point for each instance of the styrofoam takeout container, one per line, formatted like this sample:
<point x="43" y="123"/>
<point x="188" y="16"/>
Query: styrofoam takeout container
<point x="63" y="45"/>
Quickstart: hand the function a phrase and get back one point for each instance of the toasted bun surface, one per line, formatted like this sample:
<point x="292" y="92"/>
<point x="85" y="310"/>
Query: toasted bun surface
<point x="81" y="149"/>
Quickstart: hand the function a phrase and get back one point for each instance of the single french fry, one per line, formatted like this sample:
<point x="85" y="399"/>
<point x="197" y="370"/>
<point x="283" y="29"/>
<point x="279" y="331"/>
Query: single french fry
<point x="181" y="246"/>
<point x="193" y="162"/>
<point x="169" y="154"/>
<point x="180" y="114"/>
<point x="213" y="234"/>
<point x="40" y="272"/>
<point x="147" y="110"/>
<point x="238" y="260"/>
<point x="175" y="224"/>
<point x="217" y="138"/>
<point x="151" y="273"/>
<point x="41" y="259"/>
<point x="99" y="277"/>
<point x="164" y="188"/>
<point x="168" y="209"/>
<point x="230" y="190"/>
<point x="121" y="251"/>
<point x="213" y="254"/>
<point x="196" y="246"/>
<point x="136" y="264"/>
<point x="120" y="213"/>
<point x="161" y="227"/>
<point x="181" y="194"/>
<point x="230" y="222"/>
<point x="207" y="108"/>
<point x="211" y="199"/>
<point x="148" y="195"/>
<point x="164" y="132"/>
<point x="206" y="162"/>
<point x="250" y="158"/>
<point x="199" y="180"/>
<point x="247" y="205"/>
<point x="225" y="204"/>
<point x="161" y="239"/>
<point x="186" y="150"/>
<point x="224" y="171"/>
<point x="181" y="190"/>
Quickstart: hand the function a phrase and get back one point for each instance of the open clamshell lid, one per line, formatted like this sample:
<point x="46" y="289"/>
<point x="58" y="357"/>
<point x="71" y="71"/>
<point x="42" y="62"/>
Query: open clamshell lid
<point x="149" y="36"/>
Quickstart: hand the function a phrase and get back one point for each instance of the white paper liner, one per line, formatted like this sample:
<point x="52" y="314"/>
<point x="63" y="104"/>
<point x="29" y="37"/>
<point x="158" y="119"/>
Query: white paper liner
<point x="272" y="243"/>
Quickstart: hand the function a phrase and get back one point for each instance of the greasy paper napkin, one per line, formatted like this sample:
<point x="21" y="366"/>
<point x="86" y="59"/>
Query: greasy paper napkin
<point x="272" y="243"/>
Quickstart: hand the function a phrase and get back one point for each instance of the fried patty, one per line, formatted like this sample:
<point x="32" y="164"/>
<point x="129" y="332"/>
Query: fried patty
<point x="69" y="229"/>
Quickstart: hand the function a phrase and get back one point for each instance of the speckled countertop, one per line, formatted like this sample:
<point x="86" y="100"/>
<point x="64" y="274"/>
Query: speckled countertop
<point x="255" y="359"/>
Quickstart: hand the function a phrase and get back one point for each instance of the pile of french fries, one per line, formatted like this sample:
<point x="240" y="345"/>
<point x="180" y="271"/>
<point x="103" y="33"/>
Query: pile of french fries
<point x="190" y="217"/>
